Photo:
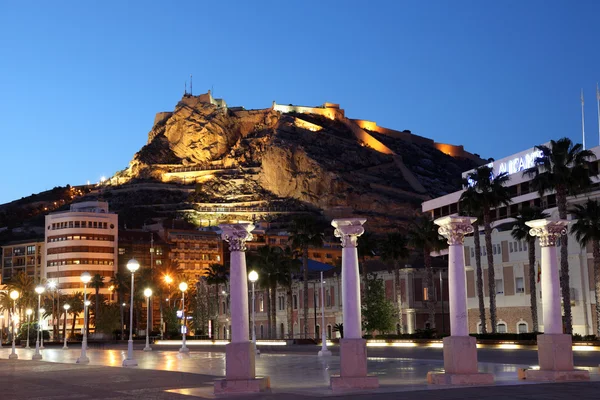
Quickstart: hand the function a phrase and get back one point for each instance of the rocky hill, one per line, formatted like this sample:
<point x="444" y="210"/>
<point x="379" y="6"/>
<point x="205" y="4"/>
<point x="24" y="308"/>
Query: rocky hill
<point x="284" y="159"/>
<point x="211" y="163"/>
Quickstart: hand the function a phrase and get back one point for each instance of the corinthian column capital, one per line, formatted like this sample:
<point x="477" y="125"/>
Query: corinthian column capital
<point x="549" y="231"/>
<point x="454" y="228"/>
<point x="236" y="235"/>
<point x="348" y="230"/>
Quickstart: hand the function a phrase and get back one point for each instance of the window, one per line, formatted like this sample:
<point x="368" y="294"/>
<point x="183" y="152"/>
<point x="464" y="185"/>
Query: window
<point x="261" y="307"/>
<point x="501" y="327"/>
<point x="328" y="255"/>
<point x="494" y="249"/>
<point x="510" y="247"/>
<point x="327" y="299"/>
<point x="520" y="246"/>
<point x="499" y="286"/>
<point x="522" y="327"/>
<point x="520" y="285"/>
<point x="472" y="252"/>
<point x="328" y="331"/>
<point x="295" y="301"/>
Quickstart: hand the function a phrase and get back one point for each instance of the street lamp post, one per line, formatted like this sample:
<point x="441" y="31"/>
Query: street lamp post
<point x="66" y="307"/>
<point x="28" y="312"/>
<point x="253" y="277"/>
<point x="183" y="287"/>
<point x="42" y="312"/>
<point x="148" y="293"/>
<point x="55" y="321"/>
<point x="39" y="289"/>
<point x="83" y="358"/>
<point x="122" y="322"/>
<point x="132" y="265"/>
<point x="323" y="352"/>
<point x="14" y="295"/>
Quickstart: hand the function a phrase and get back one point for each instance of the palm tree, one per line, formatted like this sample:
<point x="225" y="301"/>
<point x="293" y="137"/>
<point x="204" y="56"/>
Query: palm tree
<point x="470" y="206"/>
<point x="366" y="247"/>
<point x="562" y="167"/>
<point x="290" y="265"/>
<point x="491" y="193"/>
<point x="393" y="250"/>
<point x="587" y="230"/>
<point x="423" y="234"/>
<point x="75" y="300"/>
<point x="305" y="232"/>
<point x="216" y="274"/>
<point x="97" y="283"/>
<point x="121" y="284"/>
<point x="268" y="262"/>
<point x="520" y="231"/>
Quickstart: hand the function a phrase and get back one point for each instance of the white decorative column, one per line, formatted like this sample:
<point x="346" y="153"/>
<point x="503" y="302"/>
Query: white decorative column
<point x="353" y="348"/>
<point x="460" y="349"/>
<point x="240" y="371"/>
<point x="555" y="349"/>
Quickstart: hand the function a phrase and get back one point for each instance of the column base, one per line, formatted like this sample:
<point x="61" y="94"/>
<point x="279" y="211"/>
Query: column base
<point x="324" y="353"/>
<point x="443" y="378"/>
<point x="539" y="375"/>
<point x="13" y="356"/>
<point x="254" y="385"/>
<point x="460" y="364"/>
<point x="184" y="350"/>
<point x="148" y="348"/>
<point x="36" y="357"/>
<point x="130" y="363"/>
<point x="353" y="367"/>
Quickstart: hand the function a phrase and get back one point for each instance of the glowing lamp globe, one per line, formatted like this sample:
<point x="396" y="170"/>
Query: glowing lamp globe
<point x="183" y="286"/>
<point x="14" y="295"/>
<point x="52" y="284"/>
<point x="39" y="289"/>
<point x="147" y="292"/>
<point x="86" y="277"/>
<point x="87" y="303"/>
<point x="253" y="276"/>
<point x="133" y="265"/>
<point x="66" y="307"/>
<point x="168" y="279"/>
<point x="29" y="311"/>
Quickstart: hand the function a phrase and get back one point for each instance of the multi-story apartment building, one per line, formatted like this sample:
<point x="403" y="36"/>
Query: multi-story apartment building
<point x="193" y="250"/>
<point x="85" y="238"/>
<point x="511" y="263"/>
<point x="23" y="256"/>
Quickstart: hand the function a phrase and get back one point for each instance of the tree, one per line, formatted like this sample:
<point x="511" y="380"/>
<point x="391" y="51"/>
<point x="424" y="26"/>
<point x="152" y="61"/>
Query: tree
<point x="75" y="300"/>
<point x="423" y="234"/>
<point x="289" y="265"/>
<point x="587" y="230"/>
<point x="121" y="284"/>
<point x="470" y="206"/>
<point x="490" y="193"/>
<point x="520" y="231"/>
<point x="562" y="167"/>
<point x="97" y="283"/>
<point x="107" y="318"/>
<point x="305" y="231"/>
<point x="216" y="274"/>
<point x="378" y="313"/>
<point x="393" y="250"/>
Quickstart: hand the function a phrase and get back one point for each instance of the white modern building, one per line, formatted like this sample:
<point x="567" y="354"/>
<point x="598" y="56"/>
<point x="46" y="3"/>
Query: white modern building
<point x="511" y="263"/>
<point x="85" y="238"/>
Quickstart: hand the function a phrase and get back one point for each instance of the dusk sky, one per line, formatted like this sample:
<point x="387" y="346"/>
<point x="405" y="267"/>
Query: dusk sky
<point x="80" y="81"/>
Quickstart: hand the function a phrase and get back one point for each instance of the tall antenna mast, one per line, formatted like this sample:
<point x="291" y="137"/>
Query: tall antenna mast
<point x="191" y="85"/>
<point x="598" y="102"/>
<point x="185" y="88"/>
<point x="582" y="120"/>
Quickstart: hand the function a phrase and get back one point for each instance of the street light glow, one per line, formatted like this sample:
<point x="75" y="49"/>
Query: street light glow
<point x="29" y="311"/>
<point x="39" y="289"/>
<point x="168" y="279"/>
<point x="66" y="307"/>
<point x="183" y="286"/>
<point x="14" y="295"/>
<point x="147" y="292"/>
<point x="133" y="265"/>
<point x="253" y="276"/>
<point x="86" y="277"/>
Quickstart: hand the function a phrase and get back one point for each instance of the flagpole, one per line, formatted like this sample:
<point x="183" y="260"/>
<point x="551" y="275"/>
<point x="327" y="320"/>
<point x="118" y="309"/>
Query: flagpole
<point x="598" y="102"/>
<point x="582" y="120"/>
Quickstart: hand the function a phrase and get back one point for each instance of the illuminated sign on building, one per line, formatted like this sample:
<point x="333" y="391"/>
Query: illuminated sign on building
<point x="519" y="163"/>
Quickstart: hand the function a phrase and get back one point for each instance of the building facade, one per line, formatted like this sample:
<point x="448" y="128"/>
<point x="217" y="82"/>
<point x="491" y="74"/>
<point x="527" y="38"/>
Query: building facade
<point x="23" y="257"/>
<point x="511" y="264"/>
<point x="85" y="238"/>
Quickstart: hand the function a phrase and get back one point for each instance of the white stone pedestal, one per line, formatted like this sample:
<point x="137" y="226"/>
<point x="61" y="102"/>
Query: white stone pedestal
<point x="460" y="364"/>
<point x="239" y="371"/>
<point x="555" y="355"/>
<point x="353" y="367"/>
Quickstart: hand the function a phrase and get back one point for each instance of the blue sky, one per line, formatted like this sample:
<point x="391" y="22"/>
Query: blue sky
<point x="80" y="81"/>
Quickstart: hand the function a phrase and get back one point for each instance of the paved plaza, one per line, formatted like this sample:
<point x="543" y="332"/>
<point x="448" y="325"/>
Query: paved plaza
<point x="170" y="375"/>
